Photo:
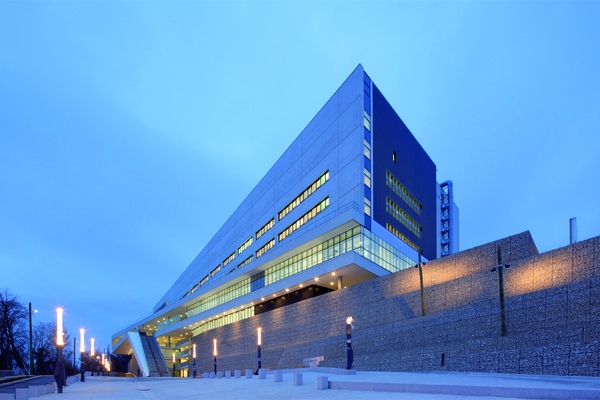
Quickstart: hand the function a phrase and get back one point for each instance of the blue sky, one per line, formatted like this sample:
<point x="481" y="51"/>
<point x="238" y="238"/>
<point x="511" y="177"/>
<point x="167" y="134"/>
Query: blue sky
<point x="130" y="131"/>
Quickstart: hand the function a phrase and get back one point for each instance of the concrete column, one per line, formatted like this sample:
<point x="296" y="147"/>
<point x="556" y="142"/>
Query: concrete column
<point x="340" y="282"/>
<point x="297" y="379"/>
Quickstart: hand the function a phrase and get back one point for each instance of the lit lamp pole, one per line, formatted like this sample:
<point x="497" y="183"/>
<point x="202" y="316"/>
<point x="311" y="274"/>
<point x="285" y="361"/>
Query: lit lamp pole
<point x="259" y="349"/>
<point x="60" y="374"/>
<point x="215" y="353"/>
<point x="194" y="357"/>
<point x="350" y="358"/>
<point x="30" y="342"/>
<point x="103" y="363"/>
<point x="173" y="364"/>
<point x="82" y="350"/>
<point x="92" y="354"/>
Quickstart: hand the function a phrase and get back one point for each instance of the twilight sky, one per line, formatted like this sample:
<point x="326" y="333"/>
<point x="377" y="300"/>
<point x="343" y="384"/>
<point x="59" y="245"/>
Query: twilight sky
<point x="130" y="131"/>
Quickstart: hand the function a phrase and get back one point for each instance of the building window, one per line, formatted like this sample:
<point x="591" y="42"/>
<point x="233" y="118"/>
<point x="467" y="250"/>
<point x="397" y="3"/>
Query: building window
<point x="367" y="123"/>
<point x="246" y="244"/>
<point x="394" y="156"/>
<point x="214" y="271"/>
<point x="265" y="248"/>
<point x="246" y="261"/>
<point x="228" y="259"/>
<point x="265" y="228"/>
<point x="403" y="193"/>
<point x="304" y="195"/>
<point x="367" y="149"/>
<point x="194" y="288"/>
<point x="403" y="217"/>
<point x="401" y="237"/>
<point x="304" y="219"/>
<point x="204" y="280"/>
<point x="367" y="178"/>
<point x="367" y="207"/>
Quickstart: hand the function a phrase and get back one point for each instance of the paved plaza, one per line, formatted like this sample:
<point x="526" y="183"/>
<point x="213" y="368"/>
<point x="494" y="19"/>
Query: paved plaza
<point x="433" y="385"/>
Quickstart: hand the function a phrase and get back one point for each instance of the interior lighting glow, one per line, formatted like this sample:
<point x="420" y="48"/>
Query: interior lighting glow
<point x="59" y="327"/>
<point x="82" y="340"/>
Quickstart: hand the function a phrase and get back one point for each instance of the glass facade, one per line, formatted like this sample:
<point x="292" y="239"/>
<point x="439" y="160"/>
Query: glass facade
<point x="358" y="240"/>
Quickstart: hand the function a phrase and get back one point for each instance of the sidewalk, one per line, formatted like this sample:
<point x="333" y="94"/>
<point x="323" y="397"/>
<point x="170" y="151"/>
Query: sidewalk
<point x="389" y="385"/>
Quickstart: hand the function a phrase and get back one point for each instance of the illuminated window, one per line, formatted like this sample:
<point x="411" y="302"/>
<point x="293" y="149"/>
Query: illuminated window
<point x="246" y="244"/>
<point x="194" y="288"/>
<point x="228" y="259"/>
<point x="367" y="207"/>
<point x="214" y="271"/>
<point x="265" y="228"/>
<point x="246" y="261"/>
<point x="367" y="121"/>
<point x="403" y="217"/>
<point x="204" y="280"/>
<point x="265" y="248"/>
<point x="401" y="236"/>
<point x="403" y="193"/>
<point x="304" y="195"/>
<point x="394" y="156"/>
<point x="367" y="178"/>
<point x="304" y="219"/>
<point x="367" y="149"/>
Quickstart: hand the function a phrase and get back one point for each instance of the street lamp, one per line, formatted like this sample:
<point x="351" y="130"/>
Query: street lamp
<point x="60" y="374"/>
<point x="259" y="349"/>
<point x="350" y="355"/>
<point x="215" y="353"/>
<point x="173" y="364"/>
<point x="92" y="354"/>
<point x="82" y="351"/>
<point x="194" y="356"/>
<point x="30" y="341"/>
<point x="500" y="267"/>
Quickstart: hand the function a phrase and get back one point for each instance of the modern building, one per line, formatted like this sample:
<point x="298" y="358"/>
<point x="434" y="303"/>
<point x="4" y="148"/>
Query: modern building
<point x="354" y="197"/>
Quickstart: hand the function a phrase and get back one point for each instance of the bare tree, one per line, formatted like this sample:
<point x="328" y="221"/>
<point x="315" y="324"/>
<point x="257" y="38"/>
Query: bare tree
<point x="13" y="331"/>
<point x="45" y="352"/>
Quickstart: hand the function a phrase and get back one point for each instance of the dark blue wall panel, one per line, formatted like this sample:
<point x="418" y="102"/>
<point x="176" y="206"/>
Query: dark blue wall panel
<point x="413" y="169"/>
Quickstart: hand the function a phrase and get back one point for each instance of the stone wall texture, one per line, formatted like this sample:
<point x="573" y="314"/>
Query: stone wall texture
<point x="552" y="306"/>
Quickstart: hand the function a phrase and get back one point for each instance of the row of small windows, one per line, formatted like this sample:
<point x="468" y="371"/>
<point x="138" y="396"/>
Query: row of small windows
<point x="246" y="261"/>
<point x="228" y="259"/>
<point x="404" y="194"/>
<point x="304" y="219"/>
<point x="403" y="217"/>
<point x="304" y="195"/>
<point x="292" y="205"/>
<point x="357" y="239"/>
<point x="246" y="244"/>
<point x="204" y="280"/>
<point x="401" y="236"/>
<point x="265" y="228"/>
<point x="270" y="244"/>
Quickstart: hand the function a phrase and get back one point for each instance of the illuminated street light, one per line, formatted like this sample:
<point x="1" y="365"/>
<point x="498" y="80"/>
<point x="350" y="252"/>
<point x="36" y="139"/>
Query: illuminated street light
<point x="59" y="327"/>
<point x="93" y="351"/>
<point x="81" y="340"/>
<point x="194" y="356"/>
<point x="350" y="355"/>
<point x="259" y="349"/>
<point x="60" y="374"/>
<point x="215" y="353"/>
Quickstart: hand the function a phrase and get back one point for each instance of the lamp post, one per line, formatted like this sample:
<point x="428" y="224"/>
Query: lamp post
<point x="350" y="355"/>
<point x="194" y="357"/>
<point x="74" y="354"/>
<point x="92" y="354"/>
<point x="500" y="268"/>
<point x="420" y="266"/>
<point x="82" y="351"/>
<point x="215" y="353"/>
<point x="259" y="349"/>
<point x="60" y="374"/>
<point x="30" y="341"/>
<point x="173" y="364"/>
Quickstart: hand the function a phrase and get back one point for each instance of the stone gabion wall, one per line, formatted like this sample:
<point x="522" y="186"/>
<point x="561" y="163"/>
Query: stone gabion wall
<point x="552" y="302"/>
